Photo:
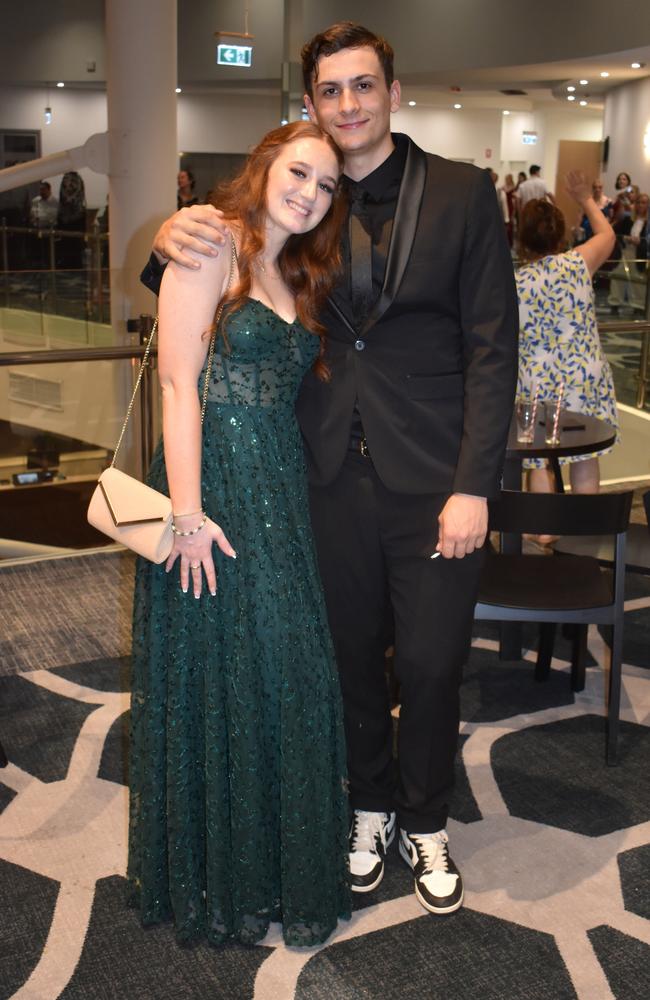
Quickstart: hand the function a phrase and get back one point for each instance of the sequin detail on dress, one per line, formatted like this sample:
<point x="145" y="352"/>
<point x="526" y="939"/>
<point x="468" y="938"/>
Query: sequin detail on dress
<point x="237" y="769"/>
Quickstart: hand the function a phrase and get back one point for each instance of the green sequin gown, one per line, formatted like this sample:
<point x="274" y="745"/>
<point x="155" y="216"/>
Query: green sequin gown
<point x="237" y="768"/>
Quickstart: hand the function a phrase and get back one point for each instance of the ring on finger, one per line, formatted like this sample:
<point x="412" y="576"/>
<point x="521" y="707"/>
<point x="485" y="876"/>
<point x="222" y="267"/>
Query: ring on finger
<point x="195" y="565"/>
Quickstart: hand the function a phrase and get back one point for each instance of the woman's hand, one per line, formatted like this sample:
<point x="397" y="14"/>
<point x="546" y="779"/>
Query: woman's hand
<point x="577" y="186"/>
<point x="195" y="553"/>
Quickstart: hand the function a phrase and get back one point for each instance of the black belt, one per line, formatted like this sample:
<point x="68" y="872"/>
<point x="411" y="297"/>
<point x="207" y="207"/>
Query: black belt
<point x="359" y="444"/>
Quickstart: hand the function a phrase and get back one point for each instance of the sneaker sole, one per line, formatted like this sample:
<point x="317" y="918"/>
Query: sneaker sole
<point x="441" y="910"/>
<point x="373" y="885"/>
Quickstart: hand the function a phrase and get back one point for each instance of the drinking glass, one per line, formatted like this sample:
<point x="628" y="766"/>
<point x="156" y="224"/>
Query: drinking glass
<point x="524" y="414"/>
<point x="551" y="420"/>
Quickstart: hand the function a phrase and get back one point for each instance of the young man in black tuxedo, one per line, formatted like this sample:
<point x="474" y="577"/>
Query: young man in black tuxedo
<point x="404" y="445"/>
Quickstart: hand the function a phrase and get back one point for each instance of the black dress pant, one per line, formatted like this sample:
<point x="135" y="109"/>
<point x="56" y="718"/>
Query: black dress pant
<point x="374" y="550"/>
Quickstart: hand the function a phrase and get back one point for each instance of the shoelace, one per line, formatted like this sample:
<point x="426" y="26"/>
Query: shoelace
<point x="366" y="827"/>
<point x="432" y="851"/>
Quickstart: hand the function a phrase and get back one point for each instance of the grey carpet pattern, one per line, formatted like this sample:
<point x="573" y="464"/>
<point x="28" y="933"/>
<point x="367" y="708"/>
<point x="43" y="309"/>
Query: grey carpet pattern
<point x="61" y="611"/>
<point x="554" y="845"/>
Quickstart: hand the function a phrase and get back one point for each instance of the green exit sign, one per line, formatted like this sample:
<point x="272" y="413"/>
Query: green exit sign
<point x="234" y="55"/>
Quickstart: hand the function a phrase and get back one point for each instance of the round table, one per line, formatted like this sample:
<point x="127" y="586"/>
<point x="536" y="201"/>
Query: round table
<point x="579" y="435"/>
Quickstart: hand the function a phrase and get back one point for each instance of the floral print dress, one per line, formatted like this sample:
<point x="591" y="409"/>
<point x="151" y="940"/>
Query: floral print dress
<point x="559" y="343"/>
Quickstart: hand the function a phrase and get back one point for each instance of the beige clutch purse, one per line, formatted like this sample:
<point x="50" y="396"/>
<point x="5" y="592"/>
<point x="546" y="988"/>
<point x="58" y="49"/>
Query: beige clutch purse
<point x="130" y="511"/>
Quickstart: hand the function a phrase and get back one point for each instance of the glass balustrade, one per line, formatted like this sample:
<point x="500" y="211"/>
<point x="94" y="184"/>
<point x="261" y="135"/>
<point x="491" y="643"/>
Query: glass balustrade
<point x="60" y="417"/>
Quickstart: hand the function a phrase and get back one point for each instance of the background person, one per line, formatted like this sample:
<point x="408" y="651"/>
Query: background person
<point x="71" y="216"/>
<point x="627" y="286"/>
<point x="186" y="184"/>
<point x="237" y="768"/>
<point x="44" y="208"/>
<point x="558" y="339"/>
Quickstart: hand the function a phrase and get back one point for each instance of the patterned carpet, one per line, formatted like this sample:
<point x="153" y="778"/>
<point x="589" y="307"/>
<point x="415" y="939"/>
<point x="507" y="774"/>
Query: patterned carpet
<point x="554" y="845"/>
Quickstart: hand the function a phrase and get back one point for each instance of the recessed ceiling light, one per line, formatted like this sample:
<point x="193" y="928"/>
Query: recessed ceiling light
<point x="571" y="88"/>
<point x="506" y="112"/>
<point x="583" y="104"/>
<point x="635" y="65"/>
<point x="604" y="73"/>
<point x="412" y="104"/>
<point x="583" y="83"/>
<point x="179" y="90"/>
<point x="570" y="97"/>
<point x="458" y="106"/>
<point x="60" y="83"/>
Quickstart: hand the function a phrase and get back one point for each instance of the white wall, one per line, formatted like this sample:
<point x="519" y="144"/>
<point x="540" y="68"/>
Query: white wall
<point x="467" y="134"/>
<point x="208" y="123"/>
<point x="76" y="114"/>
<point x="626" y="122"/>
<point x="233" y="123"/>
<point x="458" y="135"/>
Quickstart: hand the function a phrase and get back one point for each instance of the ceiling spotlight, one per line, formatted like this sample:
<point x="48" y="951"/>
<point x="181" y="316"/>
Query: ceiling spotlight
<point x="604" y="73"/>
<point x="636" y="65"/>
<point x="583" y="83"/>
<point x="506" y="112"/>
<point x="179" y="90"/>
<point x="570" y="97"/>
<point x="571" y="89"/>
<point x="458" y="106"/>
<point x="412" y="104"/>
<point x="583" y="104"/>
<point x="60" y="83"/>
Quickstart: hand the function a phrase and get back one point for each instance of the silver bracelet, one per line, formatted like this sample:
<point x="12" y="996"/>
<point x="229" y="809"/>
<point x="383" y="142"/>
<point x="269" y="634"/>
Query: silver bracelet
<point x="192" y="531"/>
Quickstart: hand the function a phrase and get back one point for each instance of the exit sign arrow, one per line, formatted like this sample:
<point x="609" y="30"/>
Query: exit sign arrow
<point x="234" y="55"/>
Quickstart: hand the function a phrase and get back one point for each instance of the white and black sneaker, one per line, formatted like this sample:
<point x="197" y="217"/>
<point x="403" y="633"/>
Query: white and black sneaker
<point x="438" y="883"/>
<point x="371" y="833"/>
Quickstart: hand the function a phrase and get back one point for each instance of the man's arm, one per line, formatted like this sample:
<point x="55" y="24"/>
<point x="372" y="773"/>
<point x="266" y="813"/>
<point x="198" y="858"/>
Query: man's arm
<point x="490" y="323"/>
<point x="200" y="228"/>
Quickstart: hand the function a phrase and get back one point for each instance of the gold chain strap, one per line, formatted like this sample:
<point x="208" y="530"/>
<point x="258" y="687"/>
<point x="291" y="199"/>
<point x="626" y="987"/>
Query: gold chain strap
<point x="213" y="338"/>
<point x="208" y="370"/>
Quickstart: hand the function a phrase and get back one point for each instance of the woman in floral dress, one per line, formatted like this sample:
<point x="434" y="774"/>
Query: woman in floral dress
<point x="559" y="343"/>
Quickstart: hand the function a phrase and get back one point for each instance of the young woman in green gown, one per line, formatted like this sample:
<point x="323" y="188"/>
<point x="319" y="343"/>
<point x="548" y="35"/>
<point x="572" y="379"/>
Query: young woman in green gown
<point x="237" y="767"/>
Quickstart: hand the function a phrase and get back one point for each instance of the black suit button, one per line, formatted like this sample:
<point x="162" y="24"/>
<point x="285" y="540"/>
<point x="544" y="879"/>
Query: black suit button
<point x="359" y="345"/>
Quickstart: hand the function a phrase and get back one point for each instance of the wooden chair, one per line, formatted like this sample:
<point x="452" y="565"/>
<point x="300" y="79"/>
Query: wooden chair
<point x="561" y="588"/>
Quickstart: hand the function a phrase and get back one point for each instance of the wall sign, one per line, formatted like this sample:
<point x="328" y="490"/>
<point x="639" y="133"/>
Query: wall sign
<point x="234" y="55"/>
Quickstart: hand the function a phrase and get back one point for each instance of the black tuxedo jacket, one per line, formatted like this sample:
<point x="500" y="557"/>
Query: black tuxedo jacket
<point x="434" y="368"/>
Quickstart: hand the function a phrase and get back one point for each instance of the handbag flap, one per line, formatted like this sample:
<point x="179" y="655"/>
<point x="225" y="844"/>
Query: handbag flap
<point x="130" y="501"/>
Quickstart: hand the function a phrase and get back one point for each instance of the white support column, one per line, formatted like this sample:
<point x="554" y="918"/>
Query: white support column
<point x="141" y="81"/>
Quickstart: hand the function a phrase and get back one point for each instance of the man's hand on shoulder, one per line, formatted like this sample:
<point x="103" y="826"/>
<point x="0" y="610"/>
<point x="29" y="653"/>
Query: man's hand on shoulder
<point x="200" y="228"/>
<point x="463" y="523"/>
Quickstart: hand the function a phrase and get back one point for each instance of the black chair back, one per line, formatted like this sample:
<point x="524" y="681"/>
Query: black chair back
<point x="560" y="513"/>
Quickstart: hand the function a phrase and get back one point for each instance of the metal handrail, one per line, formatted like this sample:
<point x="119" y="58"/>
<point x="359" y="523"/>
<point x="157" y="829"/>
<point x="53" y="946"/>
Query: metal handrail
<point x="123" y="352"/>
<point x="36" y="230"/>
<point x="623" y="326"/>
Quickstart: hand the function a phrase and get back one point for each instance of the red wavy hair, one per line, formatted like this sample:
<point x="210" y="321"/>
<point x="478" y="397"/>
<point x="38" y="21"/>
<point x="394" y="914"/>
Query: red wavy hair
<point x="309" y="262"/>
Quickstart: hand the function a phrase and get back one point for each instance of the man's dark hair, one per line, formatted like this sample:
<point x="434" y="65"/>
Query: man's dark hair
<point x="534" y="169"/>
<point x="344" y="35"/>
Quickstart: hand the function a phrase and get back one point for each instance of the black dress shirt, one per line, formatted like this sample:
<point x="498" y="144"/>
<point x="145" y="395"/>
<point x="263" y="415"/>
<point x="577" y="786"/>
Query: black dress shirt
<point x="378" y="191"/>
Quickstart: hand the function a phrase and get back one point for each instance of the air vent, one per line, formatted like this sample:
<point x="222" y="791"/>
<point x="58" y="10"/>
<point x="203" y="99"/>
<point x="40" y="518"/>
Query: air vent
<point x="34" y="391"/>
<point x="515" y="93"/>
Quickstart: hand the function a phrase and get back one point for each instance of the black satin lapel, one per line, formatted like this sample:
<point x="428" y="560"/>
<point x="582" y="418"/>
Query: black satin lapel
<point x="404" y="226"/>
<point x="334" y="303"/>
